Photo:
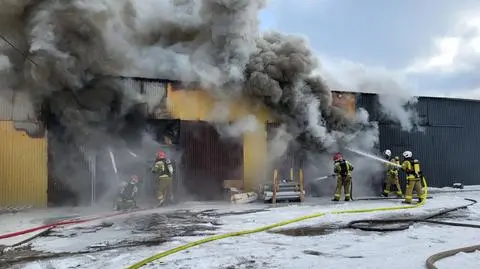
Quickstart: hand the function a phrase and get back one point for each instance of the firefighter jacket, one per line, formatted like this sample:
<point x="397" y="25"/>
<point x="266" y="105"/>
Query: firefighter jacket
<point x="391" y="169"/>
<point x="128" y="191"/>
<point x="343" y="168"/>
<point x="163" y="168"/>
<point x="411" y="167"/>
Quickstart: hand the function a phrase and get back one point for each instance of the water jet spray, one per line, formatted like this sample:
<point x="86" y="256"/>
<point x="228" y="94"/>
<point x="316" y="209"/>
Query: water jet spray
<point x="373" y="157"/>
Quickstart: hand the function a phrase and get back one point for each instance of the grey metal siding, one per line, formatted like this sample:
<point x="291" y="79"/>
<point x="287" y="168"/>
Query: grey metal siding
<point x="6" y="104"/>
<point x="447" y="112"/>
<point x="448" y="147"/>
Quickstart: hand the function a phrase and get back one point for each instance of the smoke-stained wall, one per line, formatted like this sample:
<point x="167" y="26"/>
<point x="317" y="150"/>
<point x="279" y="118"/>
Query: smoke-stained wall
<point x="196" y="104"/>
<point x="346" y="101"/>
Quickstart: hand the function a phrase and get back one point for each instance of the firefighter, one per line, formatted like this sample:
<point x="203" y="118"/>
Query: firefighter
<point x="392" y="174"/>
<point x="411" y="167"/>
<point x="128" y="192"/>
<point x="343" y="170"/>
<point x="163" y="169"/>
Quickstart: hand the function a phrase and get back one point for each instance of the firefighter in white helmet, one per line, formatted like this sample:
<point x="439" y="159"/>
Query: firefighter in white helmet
<point x="414" y="174"/>
<point x="392" y="174"/>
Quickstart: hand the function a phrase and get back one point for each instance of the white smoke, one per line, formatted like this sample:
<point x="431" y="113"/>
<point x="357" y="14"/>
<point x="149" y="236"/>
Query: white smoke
<point x="4" y="63"/>
<point x="278" y="143"/>
<point x="245" y="124"/>
<point x="396" y="98"/>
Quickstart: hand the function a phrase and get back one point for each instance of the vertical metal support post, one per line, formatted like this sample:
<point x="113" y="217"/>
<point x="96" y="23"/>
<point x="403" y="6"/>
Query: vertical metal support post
<point x="302" y="192"/>
<point x="93" y="173"/>
<point x="274" y="186"/>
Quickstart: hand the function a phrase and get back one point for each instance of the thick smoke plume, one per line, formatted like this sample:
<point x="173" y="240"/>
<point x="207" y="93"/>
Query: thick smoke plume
<point x="396" y="99"/>
<point x="66" y="56"/>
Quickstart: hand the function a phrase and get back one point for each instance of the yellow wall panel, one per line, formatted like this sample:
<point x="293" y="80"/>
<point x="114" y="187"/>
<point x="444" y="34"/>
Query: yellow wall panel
<point x="198" y="105"/>
<point x="23" y="168"/>
<point x="255" y="158"/>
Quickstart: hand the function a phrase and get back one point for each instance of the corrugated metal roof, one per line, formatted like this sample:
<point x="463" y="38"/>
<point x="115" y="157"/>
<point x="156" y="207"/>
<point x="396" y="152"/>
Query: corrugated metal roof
<point x="155" y="95"/>
<point x="132" y="84"/>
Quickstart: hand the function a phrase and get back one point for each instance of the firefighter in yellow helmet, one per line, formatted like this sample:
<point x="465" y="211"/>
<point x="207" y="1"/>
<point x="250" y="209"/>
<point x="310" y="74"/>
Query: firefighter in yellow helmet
<point x="163" y="169"/>
<point x="343" y="170"/>
<point x="411" y="167"/>
<point x="392" y="174"/>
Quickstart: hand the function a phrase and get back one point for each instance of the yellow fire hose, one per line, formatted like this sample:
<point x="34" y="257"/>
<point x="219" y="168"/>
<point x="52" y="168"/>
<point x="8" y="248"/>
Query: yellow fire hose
<point x="269" y="227"/>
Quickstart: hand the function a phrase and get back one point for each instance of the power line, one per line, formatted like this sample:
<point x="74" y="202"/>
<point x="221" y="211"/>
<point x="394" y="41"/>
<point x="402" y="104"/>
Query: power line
<point x="17" y="49"/>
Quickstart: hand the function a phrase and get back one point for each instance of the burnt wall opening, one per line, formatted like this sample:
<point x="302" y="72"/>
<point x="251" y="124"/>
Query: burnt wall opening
<point x="80" y="173"/>
<point x="165" y="134"/>
<point x="65" y="175"/>
<point x="207" y="160"/>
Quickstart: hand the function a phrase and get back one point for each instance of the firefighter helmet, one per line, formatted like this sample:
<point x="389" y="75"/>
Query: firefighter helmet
<point x="407" y="154"/>
<point x="161" y="155"/>
<point x="134" y="179"/>
<point x="337" y="156"/>
<point x="388" y="152"/>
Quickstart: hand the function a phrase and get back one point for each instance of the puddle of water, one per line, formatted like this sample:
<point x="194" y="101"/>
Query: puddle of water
<point x="305" y="231"/>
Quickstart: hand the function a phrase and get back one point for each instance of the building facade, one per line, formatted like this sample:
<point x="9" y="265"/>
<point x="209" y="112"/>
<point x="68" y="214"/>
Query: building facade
<point x="446" y="147"/>
<point x="447" y="144"/>
<point x="23" y="153"/>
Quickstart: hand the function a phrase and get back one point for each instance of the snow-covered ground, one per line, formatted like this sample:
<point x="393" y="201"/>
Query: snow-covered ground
<point x="461" y="260"/>
<point x="315" y="248"/>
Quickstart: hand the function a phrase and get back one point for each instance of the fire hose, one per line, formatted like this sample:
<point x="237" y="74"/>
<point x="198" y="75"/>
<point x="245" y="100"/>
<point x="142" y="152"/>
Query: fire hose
<point x="269" y="227"/>
<point x="371" y="224"/>
<point x="445" y="254"/>
<point x="66" y="222"/>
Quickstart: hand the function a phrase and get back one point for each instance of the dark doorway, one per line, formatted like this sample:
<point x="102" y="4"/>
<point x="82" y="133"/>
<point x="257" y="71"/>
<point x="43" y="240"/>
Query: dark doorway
<point x="208" y="160"/>
<point x="69" y="178"/>
<point x="165" y="134"/>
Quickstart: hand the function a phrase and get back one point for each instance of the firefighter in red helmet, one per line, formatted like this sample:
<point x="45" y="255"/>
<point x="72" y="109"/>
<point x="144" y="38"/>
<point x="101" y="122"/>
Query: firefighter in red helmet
<point x="343" y="170"/>
<point x="163" y="169"/>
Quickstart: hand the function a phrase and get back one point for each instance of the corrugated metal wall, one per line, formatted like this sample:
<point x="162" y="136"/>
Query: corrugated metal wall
<point x="448" y="147"/>
<point x="208" y="160"/>
<point x="153" y="92"/>
<point x="23" y="168"/>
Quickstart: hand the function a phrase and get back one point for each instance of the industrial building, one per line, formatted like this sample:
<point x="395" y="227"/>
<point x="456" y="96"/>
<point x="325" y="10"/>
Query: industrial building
<point x="447" y="147"/>
<point x="29" y="160"/>
<point x="448" y="144"/>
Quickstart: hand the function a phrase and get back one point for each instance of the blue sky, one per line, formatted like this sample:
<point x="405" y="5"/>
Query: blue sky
<point x="432" y="46"/>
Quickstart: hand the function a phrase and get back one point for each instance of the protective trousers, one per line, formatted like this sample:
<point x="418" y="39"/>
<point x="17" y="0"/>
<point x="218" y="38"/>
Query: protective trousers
<point x="413" y="184"/>
<point x="392" y="180"/>
<point x="345" y="182"/>
<point x="163" y="191"/>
